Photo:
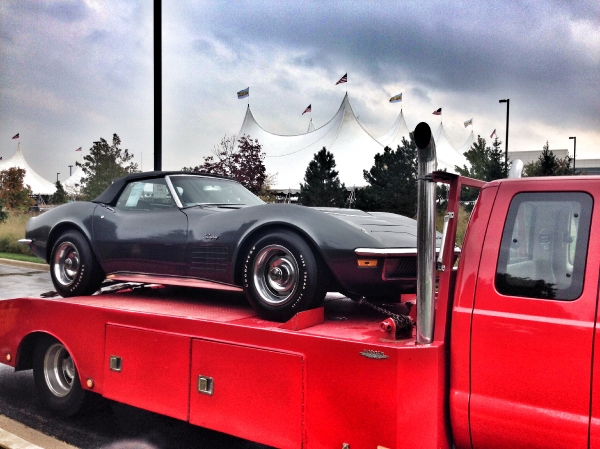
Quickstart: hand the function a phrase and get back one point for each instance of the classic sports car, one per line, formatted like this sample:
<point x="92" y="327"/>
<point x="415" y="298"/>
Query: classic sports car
<point x="190" y="229"/>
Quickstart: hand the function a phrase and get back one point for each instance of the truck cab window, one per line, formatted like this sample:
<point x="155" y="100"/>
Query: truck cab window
<point x="544" y="245"/>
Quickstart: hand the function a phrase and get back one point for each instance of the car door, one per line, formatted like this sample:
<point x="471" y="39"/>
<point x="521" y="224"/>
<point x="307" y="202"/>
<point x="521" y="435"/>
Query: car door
<point x="145" y="232"/>
<point x="533" y="320"/>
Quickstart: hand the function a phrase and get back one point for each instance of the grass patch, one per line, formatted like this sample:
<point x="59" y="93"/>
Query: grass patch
<point x="22" y="258"/>
<point x="461" y="225"/>
<point x="12" y="230"/>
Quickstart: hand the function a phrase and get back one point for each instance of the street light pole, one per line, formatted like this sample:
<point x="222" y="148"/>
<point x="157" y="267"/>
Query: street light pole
<point x="70" y="166"/>
<point x="574" y="151"/>
<point x="57" y="177"/>
<point x="157" y="8"/>
<point x="507" y="101"/>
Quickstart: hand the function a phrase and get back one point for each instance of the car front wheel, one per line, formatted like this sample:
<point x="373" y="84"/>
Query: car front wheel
<point x="282" y="276"/>
<point x="73" y="267"/>
<point x="56" y="377"/>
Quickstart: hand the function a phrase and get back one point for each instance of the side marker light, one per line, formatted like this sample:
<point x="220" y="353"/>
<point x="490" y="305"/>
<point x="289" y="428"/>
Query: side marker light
<point x="367" y="263"/>
<point x="89" y="382"/>
<point x="8" y="357"/>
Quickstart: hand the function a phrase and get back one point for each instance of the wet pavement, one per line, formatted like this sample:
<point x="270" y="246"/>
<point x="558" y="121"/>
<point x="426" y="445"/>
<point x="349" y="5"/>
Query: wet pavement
<point x="26" y="279"/>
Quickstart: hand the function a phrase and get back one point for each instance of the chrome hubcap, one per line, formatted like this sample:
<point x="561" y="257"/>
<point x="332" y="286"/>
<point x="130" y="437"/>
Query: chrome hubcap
<point x="66" y="263"/>
<point x="59" y="370"/>
<point x="276" y="275"/>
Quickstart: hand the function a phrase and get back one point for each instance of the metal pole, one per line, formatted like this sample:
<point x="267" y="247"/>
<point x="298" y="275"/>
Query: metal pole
<point x="574" y="151"/>
<point x="70" y="166"/>
<point x="57" y="177"/>
<point x="157" y="85"/>
<point x="507" y="101"/>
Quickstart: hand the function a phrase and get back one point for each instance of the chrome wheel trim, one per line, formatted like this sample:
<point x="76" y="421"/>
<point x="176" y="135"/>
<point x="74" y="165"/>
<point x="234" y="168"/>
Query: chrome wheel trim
<point x="276" y="275"/>
<point x="59" y="370"/>
<point x="67" y="264"/>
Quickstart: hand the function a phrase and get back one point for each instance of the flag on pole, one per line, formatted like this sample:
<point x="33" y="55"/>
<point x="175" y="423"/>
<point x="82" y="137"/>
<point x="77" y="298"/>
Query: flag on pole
<point x="16" y="136"/>
<point x="78" y="149"/>
<point x="396" y="98"/>
<point x="243" y="93"/>
<point x="438" y="112"/>
<point x="308" y="109"/>
<point x="343" y="79"/>
<point x="468" y="122"/>
<point x="493" y="133"/>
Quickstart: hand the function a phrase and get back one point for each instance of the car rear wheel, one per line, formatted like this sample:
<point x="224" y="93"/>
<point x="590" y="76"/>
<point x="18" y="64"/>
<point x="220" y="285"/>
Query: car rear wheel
<point x="73" y="267"/>
<point x="282" y="276"/>
<point x="56" y="377"/>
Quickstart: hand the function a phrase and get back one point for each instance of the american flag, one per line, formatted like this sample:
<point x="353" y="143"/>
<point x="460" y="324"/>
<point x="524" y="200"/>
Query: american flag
<point x="438" y="112"/>
<point x="78" y="149"/>
<point x="492" y="135"/>
<point x="16" y="136"/>
<point x="308" y="109"/>
<point x="343" y="79"/>
<point x="243" y="93"/>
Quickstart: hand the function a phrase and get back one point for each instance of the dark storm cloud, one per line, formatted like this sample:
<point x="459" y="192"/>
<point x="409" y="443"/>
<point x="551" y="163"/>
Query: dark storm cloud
<point x="521" y="49"/>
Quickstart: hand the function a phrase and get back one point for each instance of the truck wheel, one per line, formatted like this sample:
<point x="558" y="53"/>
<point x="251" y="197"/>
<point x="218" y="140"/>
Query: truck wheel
<point x="56" y="377"/>
<point x="282" y="276"/>
<point x="73" y="267"/>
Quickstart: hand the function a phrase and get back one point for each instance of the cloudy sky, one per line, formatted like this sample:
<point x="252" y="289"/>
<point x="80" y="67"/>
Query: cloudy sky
<point x="76" y="70"/>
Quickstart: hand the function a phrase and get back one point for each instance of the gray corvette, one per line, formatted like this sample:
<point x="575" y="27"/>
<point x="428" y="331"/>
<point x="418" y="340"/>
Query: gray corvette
<point x="198" y="230"/>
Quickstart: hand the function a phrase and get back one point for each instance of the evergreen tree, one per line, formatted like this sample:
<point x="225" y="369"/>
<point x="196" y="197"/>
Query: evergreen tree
<point x="392" y="181"/>
<point x="104" y="164"/>
<point x="487" y="164"/>
<point x="549" y="165"/>
<point x="60" y="196"/>
<point x="322" y="185"/>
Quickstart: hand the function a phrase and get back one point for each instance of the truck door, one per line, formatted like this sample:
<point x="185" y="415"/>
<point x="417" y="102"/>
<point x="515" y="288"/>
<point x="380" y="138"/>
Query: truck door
<point x="533" y="320"/>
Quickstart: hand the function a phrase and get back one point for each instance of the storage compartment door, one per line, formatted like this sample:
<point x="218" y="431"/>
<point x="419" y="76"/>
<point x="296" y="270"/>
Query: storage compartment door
<point x="249" y="392"/>
<point x="146" y="369"/>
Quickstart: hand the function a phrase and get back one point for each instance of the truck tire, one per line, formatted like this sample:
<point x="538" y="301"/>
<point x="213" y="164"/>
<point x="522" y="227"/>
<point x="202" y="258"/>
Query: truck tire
<point x="73" y="266"/>
<point x="282" y="277"/>
<point x="56" y="377"/>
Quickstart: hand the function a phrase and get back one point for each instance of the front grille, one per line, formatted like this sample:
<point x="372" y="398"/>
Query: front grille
<point x="400" y="268"/>
<point x="211" y="258"/>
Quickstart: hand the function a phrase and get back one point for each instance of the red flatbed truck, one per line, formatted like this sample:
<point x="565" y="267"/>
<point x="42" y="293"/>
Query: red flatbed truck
<point x="503" y="354"/>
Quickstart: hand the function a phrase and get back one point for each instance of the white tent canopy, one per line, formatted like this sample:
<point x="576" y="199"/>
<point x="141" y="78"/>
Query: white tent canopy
<point x="353" y="147"/>
<point x="72" y="184"/>
<point x="447" y="156"/>
<point x="38" y="185"/>
<point x="393" y="138"/>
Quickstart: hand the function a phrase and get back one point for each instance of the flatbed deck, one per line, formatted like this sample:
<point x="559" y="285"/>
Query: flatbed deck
<point x="327" y="377"/>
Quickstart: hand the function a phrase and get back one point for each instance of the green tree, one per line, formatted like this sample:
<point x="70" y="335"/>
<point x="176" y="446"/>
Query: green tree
<point x="486" y="163"/>
<point x="322" y="186"/>
<point x="60" y="196"/>
<point x="243" y="162"/>
<point x="104" y="164"/>
<point x="392" y="181"/>
<point x="13" y="193"/>
<point x="549" y="165"/>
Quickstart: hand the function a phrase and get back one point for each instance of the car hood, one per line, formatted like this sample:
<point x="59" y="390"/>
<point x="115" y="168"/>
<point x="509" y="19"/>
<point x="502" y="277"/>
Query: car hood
<point x="391" y="230"/>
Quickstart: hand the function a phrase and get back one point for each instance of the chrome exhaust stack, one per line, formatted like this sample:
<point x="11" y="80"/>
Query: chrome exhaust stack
<point x="425" y="233"/>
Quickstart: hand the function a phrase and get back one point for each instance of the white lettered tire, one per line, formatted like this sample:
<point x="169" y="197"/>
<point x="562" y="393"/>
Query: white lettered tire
<point x="281" y="276"/>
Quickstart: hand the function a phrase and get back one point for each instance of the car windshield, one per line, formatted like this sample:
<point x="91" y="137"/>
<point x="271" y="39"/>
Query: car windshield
<point x="205" y="191"/>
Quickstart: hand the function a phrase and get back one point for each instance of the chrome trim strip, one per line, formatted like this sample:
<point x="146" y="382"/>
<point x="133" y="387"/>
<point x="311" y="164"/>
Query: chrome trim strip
<point x="173" y="192"/>
<point x="25" y="241"/>
<point x="172" y="280"/>
<point x="390" y="252"/>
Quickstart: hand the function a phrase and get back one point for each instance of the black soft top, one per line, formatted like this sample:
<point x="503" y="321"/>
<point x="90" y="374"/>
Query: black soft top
<point x="110" y="195"/>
